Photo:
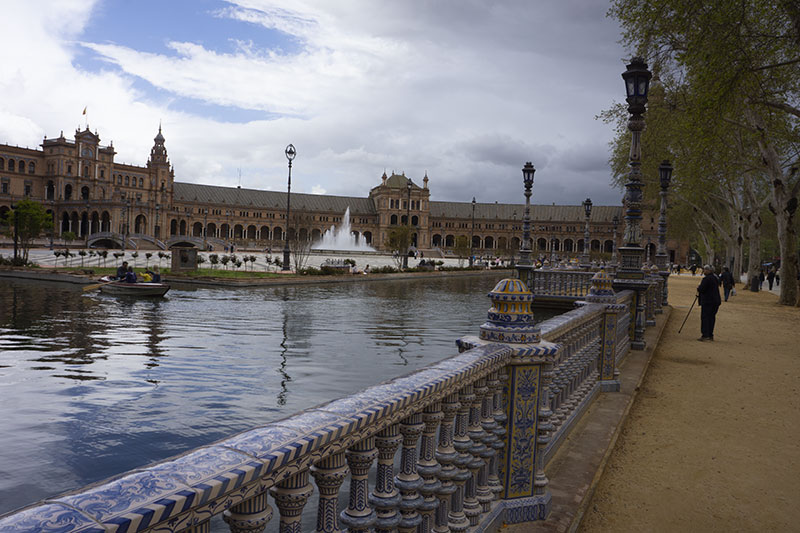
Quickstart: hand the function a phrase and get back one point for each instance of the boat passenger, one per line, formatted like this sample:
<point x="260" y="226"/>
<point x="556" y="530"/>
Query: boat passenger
<point x="130" y="277"/>
<point x="122" y="271"/>
<point x="154" y="275"/>
<point x="146" y="277"/>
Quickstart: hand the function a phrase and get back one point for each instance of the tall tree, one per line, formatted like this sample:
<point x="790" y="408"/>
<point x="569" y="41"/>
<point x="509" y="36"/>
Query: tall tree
<point x="27" y="220"/>
<point x="741" y="60"/>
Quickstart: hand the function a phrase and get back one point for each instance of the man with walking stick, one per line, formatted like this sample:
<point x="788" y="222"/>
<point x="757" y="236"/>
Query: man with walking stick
<point x="709" y="299"/>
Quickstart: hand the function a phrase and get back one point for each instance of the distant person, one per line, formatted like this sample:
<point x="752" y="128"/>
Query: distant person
<point x="130" y="276"/>
<point x="122" y="270"/>
<point x="693" y="269"/>
<point x="761" y="278"/>
<point x="709" y="300"/>
<point x="727" y="282"/>
<point x="771" y="276"/>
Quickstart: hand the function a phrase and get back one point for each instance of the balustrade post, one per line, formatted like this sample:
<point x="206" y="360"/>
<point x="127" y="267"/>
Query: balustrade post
<point x="249" y="516"/>
<point x="291" y="496"/>
<point x="445" y="455"/>
<point x="386" y="498"/>
<point x="329" y="474"/>
<point x="408" y="480"/>
<point x="497" y="431"/>
<point x="358" y="516"/>
<point x="485" y="494"/>
<point x="472" y="507"/>
<point x="458" y="520"/>
<point x="428" y="467"/>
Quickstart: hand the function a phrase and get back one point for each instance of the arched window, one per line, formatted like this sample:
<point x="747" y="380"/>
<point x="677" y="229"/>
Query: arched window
<point x="437" y="240"/>
<point x="595" y="245"/>
<point x="141" y="182"/>
<point x="140" y="224"/>
<point x="415" y="220"/>
<point x="173" y="227"/>
<point x="127" y="180"/>
<point x="264" y="232"/>
<point x="31" y="168"/>
<point x="608" y="246"/>
<point x="85" y="171"/>
<point x="22" y="166"/>
<point x="85" y="193"/>
<point x="541" y="244"/>
<point x="404" y="220"/>
<point x="2" y="164"/>
<point x="238" y="231"/>
<point x="50" y="191"/>
<point x="449" y="241"/>
<point x="367" y="237"/>
<point x="182" y="227"/>
<point x="569" y="245"/>
<point x="197" y="229"/>
<point x="119" y="179"/>
<point x="251" y="232"/>
<point x="67" y="192"/>
<point x="277" y="234"/>
<point x="488" y="243"/>
<point x="11" y="165"/>
<point x="476" y="241"/>
<point x="393" y="220"/>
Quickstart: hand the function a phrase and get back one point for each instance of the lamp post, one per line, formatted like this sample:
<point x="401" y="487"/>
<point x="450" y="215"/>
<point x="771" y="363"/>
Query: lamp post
<point x="665" y="176"/>
<point x="553" y="251"/>
<point x="615" y="222"/>
<point x="472" y="234"/>
<point x="637" y="83"/>
<point x="587" y="208"/>
<point x="290" y="155"/>
<point x="408" y="222"/>
<point x="205" y="229"/>
<point x="524" y="266"/>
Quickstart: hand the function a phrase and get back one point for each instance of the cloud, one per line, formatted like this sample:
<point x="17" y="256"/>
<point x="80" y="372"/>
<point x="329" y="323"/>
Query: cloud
<point x="466" y="91"/>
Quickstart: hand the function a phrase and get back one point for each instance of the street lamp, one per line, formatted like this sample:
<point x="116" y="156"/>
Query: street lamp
<point x="587" y="208"/>
<point x="637" y="83"/>
<point x="472" y="233"/>
<point x="615" y="222"/>
<point x="408" y="222"/>
<point x="525" y="248"/>
<point x="291" y="153"/>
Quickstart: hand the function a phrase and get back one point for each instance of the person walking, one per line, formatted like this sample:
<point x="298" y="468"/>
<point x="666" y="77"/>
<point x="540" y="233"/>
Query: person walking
<point x="727" y="282"/>
<point x="771" y="276"/>
<point x="709" y="300"/>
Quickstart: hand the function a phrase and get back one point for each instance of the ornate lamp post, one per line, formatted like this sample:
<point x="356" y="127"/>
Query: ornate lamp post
<point x="587" y="208"/>
<point x="205" y="229"/>
<point x="552" y="251"/>
<point x="524" y="266"/>
<point x="665" y="176"/>
<point x="615" y="222"/>
<point x="290" y="155"/>
<point x="408" y="222"/>
<point x="472" y="233"/>
<point x="637" y="84"/>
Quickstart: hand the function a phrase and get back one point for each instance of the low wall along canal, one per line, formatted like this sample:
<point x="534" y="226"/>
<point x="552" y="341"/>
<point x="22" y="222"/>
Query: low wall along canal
<point x="102" y="387"/>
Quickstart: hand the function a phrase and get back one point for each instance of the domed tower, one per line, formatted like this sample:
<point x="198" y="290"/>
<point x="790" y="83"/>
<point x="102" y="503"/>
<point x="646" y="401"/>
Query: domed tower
<point x="162" y="176"/>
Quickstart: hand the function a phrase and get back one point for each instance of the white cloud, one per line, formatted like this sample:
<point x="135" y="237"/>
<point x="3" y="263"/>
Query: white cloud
<point x="467" y="91"/>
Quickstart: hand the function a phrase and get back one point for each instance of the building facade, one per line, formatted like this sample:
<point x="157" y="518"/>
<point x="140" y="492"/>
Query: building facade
<point x="115" y="205"/>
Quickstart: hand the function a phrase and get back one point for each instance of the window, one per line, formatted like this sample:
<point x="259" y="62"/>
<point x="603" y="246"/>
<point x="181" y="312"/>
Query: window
<point x="141" y="182"/>
<point x="85" y="171"/>
<point x="4" y="186"/>
<point x="22" y="166"/>
<point x="127" y="180"/>
<point x="11" y="165"/>
<point x="67" y="192"/>
<point x="2" y="164"/>
<point x="102" y="173"/>
<point x="31" y="168"/>
<point x="28" y="188"/>
<point x="69" y="169"/>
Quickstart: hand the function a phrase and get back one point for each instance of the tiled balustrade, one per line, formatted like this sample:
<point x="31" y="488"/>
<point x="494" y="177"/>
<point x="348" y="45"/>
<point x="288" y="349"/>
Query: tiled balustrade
<point x="472" y="431"/>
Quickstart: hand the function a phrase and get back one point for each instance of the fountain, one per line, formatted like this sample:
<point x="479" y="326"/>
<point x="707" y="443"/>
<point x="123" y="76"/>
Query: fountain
<point x="341" y="239"/>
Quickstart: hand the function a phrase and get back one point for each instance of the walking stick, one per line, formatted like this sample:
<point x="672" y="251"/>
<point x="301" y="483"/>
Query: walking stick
<point x="687" y="314"/>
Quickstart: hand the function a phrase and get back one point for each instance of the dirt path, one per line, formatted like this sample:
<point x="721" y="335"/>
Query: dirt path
<point x="713" y="440"/>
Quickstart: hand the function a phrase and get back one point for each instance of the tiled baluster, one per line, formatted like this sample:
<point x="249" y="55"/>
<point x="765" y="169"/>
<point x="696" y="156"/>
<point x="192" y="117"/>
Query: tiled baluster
<point x="386" y="498"/>
<point x="488" y="425"/>
<point x="250" y="516"/>
<point x="457" y="519"/>
<point x="291" y="496"/>
<point x="408" y="480"/>
<point x="445" y="455"/>
<point x="472" y="507"/>
<point x="428" y="467"/>
<point x="205" y="527"/>
<point x="492" y="442"/>
<point x="359" y="517"/>
<point x="329" y="474"/>
<point x="500" y="432"/>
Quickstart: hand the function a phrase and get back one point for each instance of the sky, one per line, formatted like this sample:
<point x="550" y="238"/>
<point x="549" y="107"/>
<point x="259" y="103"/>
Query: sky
<point x="466" y="91"/>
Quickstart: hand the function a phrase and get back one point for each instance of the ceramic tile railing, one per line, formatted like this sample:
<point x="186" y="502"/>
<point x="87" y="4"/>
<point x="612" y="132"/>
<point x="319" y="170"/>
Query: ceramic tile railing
<point x="569" y="283"/>
<point x="472" y="432"/>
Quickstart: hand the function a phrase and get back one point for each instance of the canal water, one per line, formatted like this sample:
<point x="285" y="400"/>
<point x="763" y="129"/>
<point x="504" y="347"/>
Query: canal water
<point x="92" y="385"/>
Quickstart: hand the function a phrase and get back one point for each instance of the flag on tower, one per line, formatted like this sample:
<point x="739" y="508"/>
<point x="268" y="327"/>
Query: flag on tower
<point x="84" y="110"/>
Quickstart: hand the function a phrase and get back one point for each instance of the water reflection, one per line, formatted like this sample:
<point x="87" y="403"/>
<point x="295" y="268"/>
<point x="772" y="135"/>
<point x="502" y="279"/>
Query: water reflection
<point x="94" y="385"/>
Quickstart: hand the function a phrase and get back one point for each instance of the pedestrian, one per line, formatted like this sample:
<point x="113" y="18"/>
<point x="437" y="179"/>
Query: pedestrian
<point x="771" y="276"/>
<point x="761" y="278"/>
<point x="709" y="300"/>
<point x="727" y="282"/>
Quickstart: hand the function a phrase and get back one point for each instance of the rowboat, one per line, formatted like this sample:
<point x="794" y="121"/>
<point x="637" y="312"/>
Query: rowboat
<point x="120" y="288"/>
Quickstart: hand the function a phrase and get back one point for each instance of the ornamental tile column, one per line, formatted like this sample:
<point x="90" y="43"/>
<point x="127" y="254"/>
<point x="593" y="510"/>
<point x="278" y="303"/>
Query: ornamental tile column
<point x="602" y="292"/>
<point x="329" y="474"/>
<point x="386" y="498"/>
<point x="359" y="517"/>
<point x="408" y="480"/>
<point x="445" y="456"/>
<point x="250" y="516"/>
<point x="524" y="493"/>
<point x="291" y="496"/>
<point x="428" y="467"/>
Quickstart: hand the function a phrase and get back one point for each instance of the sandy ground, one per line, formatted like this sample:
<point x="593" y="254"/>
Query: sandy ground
<point x="712" y="442"/>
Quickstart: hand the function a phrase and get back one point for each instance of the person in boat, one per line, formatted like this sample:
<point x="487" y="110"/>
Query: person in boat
<point x="122" y="271"/>
<point x="130" y="276"/>
<point x="155" y="277"/>
<point x="146" y="277"/>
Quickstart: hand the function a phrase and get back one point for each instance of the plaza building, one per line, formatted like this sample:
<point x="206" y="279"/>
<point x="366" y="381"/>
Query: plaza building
<point x="113" y="205"/>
